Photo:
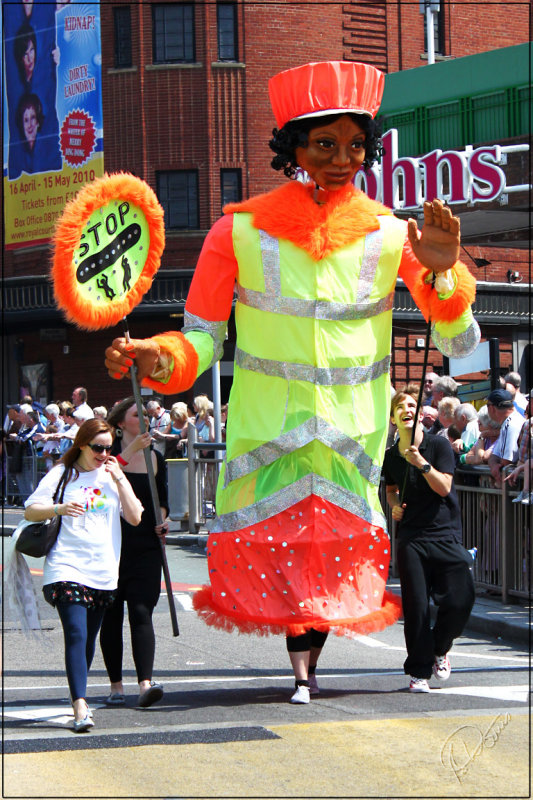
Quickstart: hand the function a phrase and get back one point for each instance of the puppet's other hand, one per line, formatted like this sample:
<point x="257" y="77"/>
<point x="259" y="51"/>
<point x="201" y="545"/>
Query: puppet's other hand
<point x="121" y="354"/>
<point x="437" y="247"/>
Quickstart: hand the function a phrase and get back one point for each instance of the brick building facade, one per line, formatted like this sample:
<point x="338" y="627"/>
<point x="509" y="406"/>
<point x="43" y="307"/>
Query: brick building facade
<point x="191" y="117"/>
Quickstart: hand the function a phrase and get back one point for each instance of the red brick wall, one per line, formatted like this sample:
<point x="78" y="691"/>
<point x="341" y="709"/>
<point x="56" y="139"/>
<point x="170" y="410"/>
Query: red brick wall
<point x="208" y="117"/>
<point x="476" y="28"/>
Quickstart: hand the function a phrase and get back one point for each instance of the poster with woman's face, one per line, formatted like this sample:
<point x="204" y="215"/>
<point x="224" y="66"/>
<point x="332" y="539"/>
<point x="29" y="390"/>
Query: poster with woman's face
<point x="52" y="133"/>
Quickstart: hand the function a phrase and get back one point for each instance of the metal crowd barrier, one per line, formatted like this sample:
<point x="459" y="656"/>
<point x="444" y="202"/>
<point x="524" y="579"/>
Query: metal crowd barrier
<point x="192" y="482"/>
<point x="499" y="529"/>
<point x="24" y="467"/>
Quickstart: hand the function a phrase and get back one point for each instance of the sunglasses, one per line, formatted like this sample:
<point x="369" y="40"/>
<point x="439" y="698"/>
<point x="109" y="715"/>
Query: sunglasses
<point x="100" y="448"/>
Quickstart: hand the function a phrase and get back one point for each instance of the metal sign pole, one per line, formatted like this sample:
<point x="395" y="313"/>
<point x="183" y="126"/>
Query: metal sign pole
<point x="153" y="490"/>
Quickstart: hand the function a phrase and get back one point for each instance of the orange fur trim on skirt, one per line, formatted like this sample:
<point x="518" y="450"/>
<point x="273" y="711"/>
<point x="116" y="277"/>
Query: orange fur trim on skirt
<point x="67" y="239"/>
<point x="389" y="613"/>
<point x="185" y="363"/>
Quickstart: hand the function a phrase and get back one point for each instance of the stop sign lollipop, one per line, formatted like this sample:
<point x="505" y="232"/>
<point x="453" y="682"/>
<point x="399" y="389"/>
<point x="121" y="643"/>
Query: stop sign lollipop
<point x="107" y="248"/>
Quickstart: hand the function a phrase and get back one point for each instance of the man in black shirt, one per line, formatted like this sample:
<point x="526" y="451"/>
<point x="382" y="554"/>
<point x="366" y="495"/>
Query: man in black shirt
<point x="431" y="559"/>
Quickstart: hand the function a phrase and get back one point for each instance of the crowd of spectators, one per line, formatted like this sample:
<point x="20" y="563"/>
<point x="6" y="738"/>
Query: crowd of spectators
<point x="52" y="428"/>
<point x="497" y="435"/>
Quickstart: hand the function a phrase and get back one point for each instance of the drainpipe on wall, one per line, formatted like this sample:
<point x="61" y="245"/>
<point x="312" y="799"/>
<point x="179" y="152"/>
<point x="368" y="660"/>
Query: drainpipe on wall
<point x="430" y="28"/>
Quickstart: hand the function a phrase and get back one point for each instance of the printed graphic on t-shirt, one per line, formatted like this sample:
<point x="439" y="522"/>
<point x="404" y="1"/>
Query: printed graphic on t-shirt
<point x="94" y="499"/>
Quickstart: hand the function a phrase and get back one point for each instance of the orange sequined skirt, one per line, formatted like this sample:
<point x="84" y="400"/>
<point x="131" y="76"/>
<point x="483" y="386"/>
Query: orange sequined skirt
<point x="314" y="565"/>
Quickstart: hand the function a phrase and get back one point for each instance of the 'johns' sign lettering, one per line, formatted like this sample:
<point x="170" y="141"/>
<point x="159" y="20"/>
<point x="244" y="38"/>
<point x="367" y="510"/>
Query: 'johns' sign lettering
<point x="472" y="175"/>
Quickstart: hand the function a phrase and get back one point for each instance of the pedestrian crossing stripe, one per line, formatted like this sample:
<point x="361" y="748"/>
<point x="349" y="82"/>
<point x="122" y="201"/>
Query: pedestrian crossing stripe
<point x="59" y="714"/>
<point x="514" y="694"/>
<point x="62" y="715"/>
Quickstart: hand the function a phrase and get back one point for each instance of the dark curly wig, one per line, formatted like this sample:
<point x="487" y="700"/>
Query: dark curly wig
<point x="295" y="134"/>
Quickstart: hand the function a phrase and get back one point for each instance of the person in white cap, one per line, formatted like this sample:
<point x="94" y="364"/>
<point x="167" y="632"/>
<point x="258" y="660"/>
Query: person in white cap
<point x="299" y="545"/>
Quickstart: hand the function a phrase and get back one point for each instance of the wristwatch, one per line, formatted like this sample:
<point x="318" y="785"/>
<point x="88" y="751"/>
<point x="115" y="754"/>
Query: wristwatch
<point x="425" y="469"/>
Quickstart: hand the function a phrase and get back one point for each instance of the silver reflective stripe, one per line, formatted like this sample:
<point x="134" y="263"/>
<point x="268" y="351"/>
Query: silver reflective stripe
<point x="271" y="266"/>
<point x="322" y="376"/>
<point x="457" y="346"/>
<point x="314" y="429"/>
<point x="313" y="309"/>
<point x="290" y="495"/>
<point x="216" y="330"/>
<point x="272" y="300"/>
<point x="367" y="273"/>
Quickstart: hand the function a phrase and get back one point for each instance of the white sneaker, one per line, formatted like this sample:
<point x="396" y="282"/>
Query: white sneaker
<point x="313" y="685"/>
<point x="527" y="499"/>
<point x="518" y="498"/>
<point x="442" y="668"/>
<point x="301" y="695"/>
<point x="419" y="685"/>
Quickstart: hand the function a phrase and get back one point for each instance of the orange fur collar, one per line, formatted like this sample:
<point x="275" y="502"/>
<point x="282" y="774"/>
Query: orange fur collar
<point x="291" y="213"/>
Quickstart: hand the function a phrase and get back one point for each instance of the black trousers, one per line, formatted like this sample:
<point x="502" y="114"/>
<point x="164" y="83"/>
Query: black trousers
<point x="440" y="570"/>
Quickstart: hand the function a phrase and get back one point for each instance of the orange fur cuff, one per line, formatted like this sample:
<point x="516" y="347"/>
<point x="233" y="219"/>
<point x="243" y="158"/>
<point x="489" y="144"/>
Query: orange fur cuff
<point x="427" y="299"/>
<point x="464" y="295"/>
<point x="185" y="363"/>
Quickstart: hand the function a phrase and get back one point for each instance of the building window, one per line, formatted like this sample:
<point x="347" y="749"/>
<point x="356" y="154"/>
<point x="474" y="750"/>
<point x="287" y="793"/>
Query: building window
<point x="438" y="31"/>
<point x="122" y="25"/>
<point x="173" y="33"/>
<point x="227" y="31"/>
<point x="230" y="186"/>
<point x="178" y="194"/>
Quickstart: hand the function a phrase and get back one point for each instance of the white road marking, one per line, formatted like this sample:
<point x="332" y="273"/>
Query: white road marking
<point x="515" y="694"/>
<point x="368" y="641"/>
<point x="39" y="713"/>
<point x="262" y="678"/>
<point x="185" y="600"/>
<point x="518" y="693"/>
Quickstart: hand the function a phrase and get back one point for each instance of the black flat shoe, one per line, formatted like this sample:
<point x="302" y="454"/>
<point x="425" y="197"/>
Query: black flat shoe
<point x="151" y="695"/>
<point x="115" y="699"/>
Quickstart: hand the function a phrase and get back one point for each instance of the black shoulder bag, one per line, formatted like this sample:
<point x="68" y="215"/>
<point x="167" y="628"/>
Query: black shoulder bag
<point x="38" y="538"/>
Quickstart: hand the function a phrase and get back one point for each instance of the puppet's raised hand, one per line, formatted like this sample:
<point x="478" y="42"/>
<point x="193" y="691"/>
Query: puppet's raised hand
<point x="120" y="355"/>
<point x="437" y="245"/>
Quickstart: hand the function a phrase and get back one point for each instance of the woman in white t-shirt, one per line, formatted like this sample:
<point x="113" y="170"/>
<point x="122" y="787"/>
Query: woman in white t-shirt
<point x="81" y="569"/>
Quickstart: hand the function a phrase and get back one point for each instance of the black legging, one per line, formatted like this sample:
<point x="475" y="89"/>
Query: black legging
<point x="142" y="638"/>
<point x="307" y="640"/>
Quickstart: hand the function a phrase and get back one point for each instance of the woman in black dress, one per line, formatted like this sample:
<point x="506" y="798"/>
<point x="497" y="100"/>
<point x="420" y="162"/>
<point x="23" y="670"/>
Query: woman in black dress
<point x="139" y="582"/>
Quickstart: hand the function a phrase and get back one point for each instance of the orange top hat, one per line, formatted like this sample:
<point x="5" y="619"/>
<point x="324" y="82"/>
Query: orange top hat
<point x="325" y="87"/>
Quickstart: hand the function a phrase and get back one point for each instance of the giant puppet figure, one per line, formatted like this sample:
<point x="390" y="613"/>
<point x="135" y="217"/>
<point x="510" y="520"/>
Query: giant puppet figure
<point x="300" y="542"/>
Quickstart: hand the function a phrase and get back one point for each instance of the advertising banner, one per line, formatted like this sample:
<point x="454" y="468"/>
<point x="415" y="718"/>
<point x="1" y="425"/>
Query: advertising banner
<point x="52" y="121"/>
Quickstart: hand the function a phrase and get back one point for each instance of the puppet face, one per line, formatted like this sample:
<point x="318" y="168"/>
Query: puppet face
<point x="31" y="125"/>
<point x="333" y="154"/>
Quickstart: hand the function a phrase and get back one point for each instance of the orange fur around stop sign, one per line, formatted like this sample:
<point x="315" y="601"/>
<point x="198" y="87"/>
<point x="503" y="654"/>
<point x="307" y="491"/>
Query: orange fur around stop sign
<point x="108" y="244"/>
